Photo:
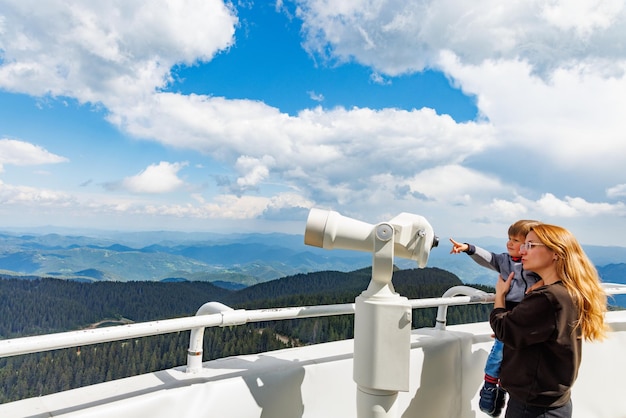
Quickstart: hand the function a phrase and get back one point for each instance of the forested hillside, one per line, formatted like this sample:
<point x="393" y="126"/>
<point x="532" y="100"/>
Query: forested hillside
<point x="44" y="305"/>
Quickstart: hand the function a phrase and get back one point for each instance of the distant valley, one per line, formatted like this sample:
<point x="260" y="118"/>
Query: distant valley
<point x="237" y="260"/>
<point x="128" y="277"/>
<point x="231" y="261"/>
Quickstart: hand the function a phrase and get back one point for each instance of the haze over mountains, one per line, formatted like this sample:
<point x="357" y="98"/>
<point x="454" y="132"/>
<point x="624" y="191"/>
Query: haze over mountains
<point x="240" y="259"/>
<point x="230" y="260"/>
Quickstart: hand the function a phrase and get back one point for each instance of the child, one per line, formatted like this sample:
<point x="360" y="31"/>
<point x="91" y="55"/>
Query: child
<point x="492" y="396"/>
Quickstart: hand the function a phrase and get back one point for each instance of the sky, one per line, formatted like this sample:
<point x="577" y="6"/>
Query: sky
<point x="205" y="115"/>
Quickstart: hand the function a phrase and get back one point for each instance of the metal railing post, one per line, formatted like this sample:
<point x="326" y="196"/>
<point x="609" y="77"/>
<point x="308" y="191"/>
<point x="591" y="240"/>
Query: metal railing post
<point x="476" y="296"/>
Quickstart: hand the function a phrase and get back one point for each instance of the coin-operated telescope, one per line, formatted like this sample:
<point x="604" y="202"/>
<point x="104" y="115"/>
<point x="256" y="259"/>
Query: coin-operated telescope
<point x="382" y="318"/>
<point x="412" y="235"/>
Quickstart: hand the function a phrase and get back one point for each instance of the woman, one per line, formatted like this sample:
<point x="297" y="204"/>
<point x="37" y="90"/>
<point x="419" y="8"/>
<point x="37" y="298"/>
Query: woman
<point x="543" y="335"/>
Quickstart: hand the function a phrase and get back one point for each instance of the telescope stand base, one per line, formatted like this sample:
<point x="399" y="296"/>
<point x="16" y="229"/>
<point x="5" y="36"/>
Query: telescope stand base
<point x="372" y="403"/>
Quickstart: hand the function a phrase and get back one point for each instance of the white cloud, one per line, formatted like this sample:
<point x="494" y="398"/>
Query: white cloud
<point x="103" y="52"/>
<point x="549" y="79"/>
<point x="252" y="170"/>
<point x="20" y="153"/>
<point x="570" y="207"/>
<point x="454" y="184"/>
<point x="545" y="75"/>
<point x="377" y="78"/>
<point x="233" y="207"/>
<point x="156" y="178"/>
<point x="318" y="97"/>
<point x="616" y="191"/>
<point x="575" y="118"/>
<point x="31" y="196"/>
<point x="84" y="206"/>
<point x="315" y="151"/>
<point x="549" y="76"/>
<point x="584" y="17"/>
<point x="396" y="36"/>
<point x="508" y="210"/>
<point x="222" y="207"/>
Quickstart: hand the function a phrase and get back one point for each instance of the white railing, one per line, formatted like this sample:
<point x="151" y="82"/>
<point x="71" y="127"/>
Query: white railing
<point x="214" y="314"/>
<point x="211" y="314"/>
<point x="467" y="293"/>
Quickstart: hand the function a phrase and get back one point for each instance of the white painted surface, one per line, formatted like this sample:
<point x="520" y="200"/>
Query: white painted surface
<point x="446" y="371"/>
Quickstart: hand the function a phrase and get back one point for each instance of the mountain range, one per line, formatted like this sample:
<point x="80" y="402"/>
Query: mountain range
<point x="232" y="261"/>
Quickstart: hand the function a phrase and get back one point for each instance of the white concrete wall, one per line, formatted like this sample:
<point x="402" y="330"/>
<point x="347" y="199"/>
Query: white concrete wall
<point x="316" y="381"/>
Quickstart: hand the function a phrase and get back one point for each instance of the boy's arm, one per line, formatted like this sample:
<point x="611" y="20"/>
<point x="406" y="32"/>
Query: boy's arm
<point x="458" y="247"/>
<point x="480" y="256"/>
<point x="486" y="258"/>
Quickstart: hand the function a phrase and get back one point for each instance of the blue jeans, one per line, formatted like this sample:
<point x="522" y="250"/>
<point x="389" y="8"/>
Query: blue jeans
<point x="494" y="361"/>
<point x="517" y="409"/>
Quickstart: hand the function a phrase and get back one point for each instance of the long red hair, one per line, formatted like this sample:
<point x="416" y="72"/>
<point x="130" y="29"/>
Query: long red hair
<point x="579" y="276"/>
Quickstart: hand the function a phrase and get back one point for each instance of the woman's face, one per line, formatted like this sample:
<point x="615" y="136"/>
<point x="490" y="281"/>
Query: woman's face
<point x="536" y="257"/>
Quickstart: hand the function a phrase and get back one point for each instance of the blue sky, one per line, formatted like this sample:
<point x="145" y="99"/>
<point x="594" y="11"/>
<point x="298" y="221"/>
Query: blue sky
<point x="202" y="115"/>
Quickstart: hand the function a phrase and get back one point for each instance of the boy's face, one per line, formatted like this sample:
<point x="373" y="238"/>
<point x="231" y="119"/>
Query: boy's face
<point x="512" y="245"/>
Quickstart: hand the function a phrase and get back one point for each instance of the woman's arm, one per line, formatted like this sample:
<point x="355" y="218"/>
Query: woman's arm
<point x="531" y="322"/>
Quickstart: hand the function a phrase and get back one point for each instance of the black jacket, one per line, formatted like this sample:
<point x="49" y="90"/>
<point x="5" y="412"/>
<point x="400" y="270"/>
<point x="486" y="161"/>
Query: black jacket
<point x="542" y="346"/>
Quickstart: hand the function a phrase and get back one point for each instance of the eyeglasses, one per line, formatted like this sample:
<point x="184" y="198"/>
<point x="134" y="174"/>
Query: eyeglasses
<point x="528" y="245"/>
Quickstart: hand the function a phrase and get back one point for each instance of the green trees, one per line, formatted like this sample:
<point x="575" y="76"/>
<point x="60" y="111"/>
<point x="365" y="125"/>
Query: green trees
<point x="44" y="305"/>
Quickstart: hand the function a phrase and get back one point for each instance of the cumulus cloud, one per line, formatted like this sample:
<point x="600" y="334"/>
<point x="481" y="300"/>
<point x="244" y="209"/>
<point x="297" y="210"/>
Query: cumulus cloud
<point x="507" y="209"/>
<point x="317" y="148"/>
<point x="575" y="206"/>
<point x="98" y="52"/>
<point x="584" y="17"/>
<point x="572" y="212"/>
<point x="616" y="191"/>
<point x="545" y="74"/>
<point x="32" y="196"/>
<point x="318" y="97"/>
<point x="156" y="178"/>
<point x="454" y="184"/>
<point x="20" y="153"/>
<point x="252" y="170"/>
<point x="549" y="81"/>
<point x="549" y="206"/>
<point x="396" y="37"/>
<point x="562" y="117"/>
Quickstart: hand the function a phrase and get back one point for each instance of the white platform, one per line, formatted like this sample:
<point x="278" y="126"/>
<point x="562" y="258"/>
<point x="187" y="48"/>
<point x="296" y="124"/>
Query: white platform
<point x="316" y="381"/>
